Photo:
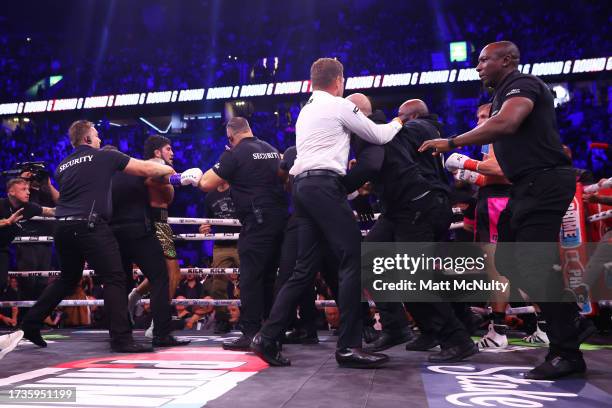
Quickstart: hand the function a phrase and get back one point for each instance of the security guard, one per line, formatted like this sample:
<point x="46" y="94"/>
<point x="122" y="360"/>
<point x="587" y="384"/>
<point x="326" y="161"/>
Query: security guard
<point x="132" y="226"/>
<point x="415" y="208"/>
<point x="251" y="169"/>
<point x="83" y="233"/>
<point x="524" y="133"/>
<point x="323" y="133"/>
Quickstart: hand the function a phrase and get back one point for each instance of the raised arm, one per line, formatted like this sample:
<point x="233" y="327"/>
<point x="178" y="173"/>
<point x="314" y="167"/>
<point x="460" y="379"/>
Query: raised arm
<point x="147" y="168"/>
<point x="355" y="121"/>
<point x="512" y="113"/>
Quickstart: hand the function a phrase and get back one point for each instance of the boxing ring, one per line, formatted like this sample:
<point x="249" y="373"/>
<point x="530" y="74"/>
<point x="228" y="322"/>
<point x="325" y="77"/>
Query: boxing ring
<point x="202" y="374"/>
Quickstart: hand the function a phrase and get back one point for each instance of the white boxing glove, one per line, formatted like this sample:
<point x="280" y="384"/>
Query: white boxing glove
<point x="470" y="176"/>
<point x="456" y="161"/>
<point x="191" y="177"/>
<point x="603" y="183"/>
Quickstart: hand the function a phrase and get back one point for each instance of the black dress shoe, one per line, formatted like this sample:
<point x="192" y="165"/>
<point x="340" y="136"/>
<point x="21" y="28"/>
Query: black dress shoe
<point x="242" y="343"/>
<point x="455" y="353"/>
<point x="300" y="336"/>
<point x="168" y="341"/>
<point x="423" y="342"/>
<point x="388" y="339"/>
<point x="555" y="368"/>
<point x="358" y="358"/>
<point x="33" y="335"/>
<point x="131" y="347"/>
<point x="370" y="334"/>
<point x="222" y="327"/>
<point x="268" y="350"/>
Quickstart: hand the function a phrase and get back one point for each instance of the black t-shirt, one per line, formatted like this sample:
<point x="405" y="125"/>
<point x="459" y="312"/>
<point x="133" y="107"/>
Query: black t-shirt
<point x="219" y="204"/>
<point x="130" y="199"/>
<point x="418" y="131"/>
<point x="84" y="180"/>
<point x="404" y="174"/>
<point x="251" y="168"/>
<point x="41" y="196"/>
<point x="536" y="145"/>
<point x="188" y="292"/>
<point x="8" y="233"/>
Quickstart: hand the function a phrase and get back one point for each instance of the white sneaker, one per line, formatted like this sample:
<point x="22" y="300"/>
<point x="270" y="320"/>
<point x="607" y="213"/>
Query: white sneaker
<point x="8" y="342"/>
<point x="133" y="299"/>
<point x="149" y="331"/>
<point x="537" y="337"/>
<point x="493" y="339"/>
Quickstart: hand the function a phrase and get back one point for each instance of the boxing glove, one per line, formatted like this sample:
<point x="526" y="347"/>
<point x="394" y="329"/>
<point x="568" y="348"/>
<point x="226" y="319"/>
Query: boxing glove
<point x="458" y="161"/>
<point x="188" y="177"/>
<point x="470" y="176"/>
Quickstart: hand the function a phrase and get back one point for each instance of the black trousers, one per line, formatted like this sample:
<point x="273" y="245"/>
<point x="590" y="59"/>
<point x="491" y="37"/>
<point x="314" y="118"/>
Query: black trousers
<point x="534" y="214"/>
<point x="75" y="244"/>
<point x="328" y="267"/>
<point x="33" y="257"/>
<point x="424" y="220"/>
<point x="259" y="248"/>
<point x="141" y="247"/>
<point x="322" y="212"/>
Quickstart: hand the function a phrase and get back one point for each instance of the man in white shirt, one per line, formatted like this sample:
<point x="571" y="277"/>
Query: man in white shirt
<point x="323" y="132"/>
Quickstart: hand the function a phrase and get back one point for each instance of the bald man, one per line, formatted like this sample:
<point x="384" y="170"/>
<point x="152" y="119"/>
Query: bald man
<point x="523" y="129"/>
<point x="413" y="191"/>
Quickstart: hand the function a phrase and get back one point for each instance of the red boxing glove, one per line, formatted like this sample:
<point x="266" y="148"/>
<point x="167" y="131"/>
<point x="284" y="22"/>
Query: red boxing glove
<point x="600" y="145"/>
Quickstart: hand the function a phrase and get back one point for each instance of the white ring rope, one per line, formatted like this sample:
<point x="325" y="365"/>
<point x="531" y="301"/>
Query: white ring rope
<point x="227" y="302"/>
<point x="235" y="223"/>
<point x="91" y="272"/>
<point x="177" y="237"/>
<point x="184" y="302"/>
<point x="188" y="237"/>
<point x="211" y="221"/>
<point x="604" y="215"/>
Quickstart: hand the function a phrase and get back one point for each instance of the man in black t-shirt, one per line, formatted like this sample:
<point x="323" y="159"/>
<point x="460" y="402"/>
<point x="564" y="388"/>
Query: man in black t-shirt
<point x="36" y="257"/>
<point x="219" y="204"/>
<point x="14" y="211"/>
<point x="523" y="130"/>
<point x="132" y="226"/>
<point x="83" y="234"/>
<point x="416" y="208"/>
<point x="251" y="169"/>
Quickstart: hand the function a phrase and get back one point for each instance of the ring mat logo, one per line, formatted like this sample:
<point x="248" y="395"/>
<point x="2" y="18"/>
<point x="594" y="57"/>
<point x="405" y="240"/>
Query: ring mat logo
<point x="485" y="385"/>
<point x="177" y="377"/>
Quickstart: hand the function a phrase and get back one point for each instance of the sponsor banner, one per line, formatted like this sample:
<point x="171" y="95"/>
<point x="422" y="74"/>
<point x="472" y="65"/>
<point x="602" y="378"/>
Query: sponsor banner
<point x="486" y="385"/>
<point x="574" y="256"/>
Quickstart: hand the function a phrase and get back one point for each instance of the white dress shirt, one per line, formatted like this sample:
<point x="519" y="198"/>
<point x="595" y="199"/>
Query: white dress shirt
<point x="323" y="133"/>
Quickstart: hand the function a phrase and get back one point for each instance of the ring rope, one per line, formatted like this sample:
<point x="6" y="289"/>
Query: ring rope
<point x="183" y="302"/>
<point x="226" y="302"/>
<point x="211" y="221"/>
<point x="187" y="237"/>
<point x="91" y="272"/>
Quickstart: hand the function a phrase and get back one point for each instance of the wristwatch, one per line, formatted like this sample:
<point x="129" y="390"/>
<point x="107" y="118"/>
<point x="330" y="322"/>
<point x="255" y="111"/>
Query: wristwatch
<point x="451" y="143"/>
